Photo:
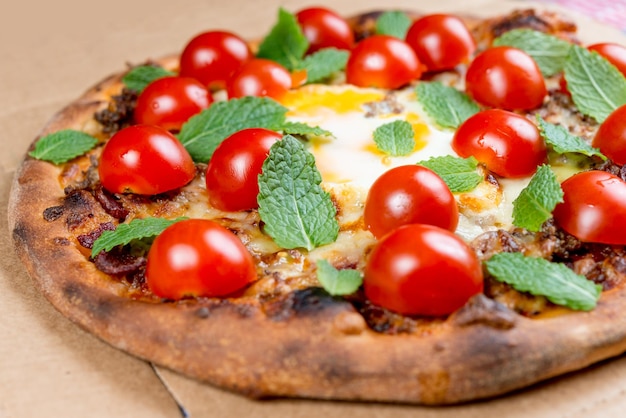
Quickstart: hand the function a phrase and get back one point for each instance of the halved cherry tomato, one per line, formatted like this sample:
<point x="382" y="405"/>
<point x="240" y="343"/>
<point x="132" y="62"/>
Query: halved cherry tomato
<point x="259" y="77"/>
<point x="422" y="270"/>
<point x="594" y="207"/>
<point x="614" y="53"/>
<point x="324" y="28"/>
<point x="441" y="41"/>
<point x="198" y="257"/>
<point x="382" y="61"/>
<point x="212" y="57"/>
<point x="407" y="195"/>
<point x="144" y="159"/>
<point x="611" y="136"/>
<point x="507" y="78"/>
<point x="508" y="144"/>
<point x="233" y="171"/>
<point x="170" y="101"/>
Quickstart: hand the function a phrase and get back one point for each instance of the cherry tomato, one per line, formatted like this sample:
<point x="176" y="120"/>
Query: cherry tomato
<point x="382" y="61"/>
<point x="441" y="41"/>
<point x="508" y="144"/>
<point x="212" y="57"/>
<point x="259" y="77"/>
<point x="144" y="159"/>
<point x="233" y="171"/>
<point x="407" y="195"/>
<point x="614" y="53"/>
<point x="507" y="78"/>
<point x="594" y="207"/>
<point x="611" y="136"/>
<point x="422" y="270"/>
<point x="170" y="101"/>
<point x="324" y="28"/>
<point x="198" y="257"/>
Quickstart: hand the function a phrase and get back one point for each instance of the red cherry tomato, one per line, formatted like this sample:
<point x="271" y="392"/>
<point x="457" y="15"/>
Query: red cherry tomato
<point x="233" y="171"/>
<point x="198" y="257"/>
<point x="611" y="136"/>
<point x="508" y="144"/>
<point x="422" y="270"/>
<point x="594" y="207"/>
<point x="170" y="101"/>
<point x="259" y="77"/>
<point x="382" y="61"/>
<point x="144" y="159"/>
<point x="507" y="78"/>
<point x="614" y="53"/>
<point x="441" y="41"/>
<point x="212" y="57"/>
<point x="324" y="28"/>
<point x="407" y="195"/>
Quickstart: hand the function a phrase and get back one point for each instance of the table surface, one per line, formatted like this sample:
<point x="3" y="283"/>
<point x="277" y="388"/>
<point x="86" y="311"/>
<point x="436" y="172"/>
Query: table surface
<point x="52" y="52"/>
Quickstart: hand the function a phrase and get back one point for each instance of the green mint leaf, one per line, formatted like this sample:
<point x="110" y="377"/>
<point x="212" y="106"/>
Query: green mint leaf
<point x="395" y="138"/>
<point x="540" y="277"/>
<point x="458" y="173"/>
<point x="535" y="203"/>
<point x="393" y="23"/>
<point x="139" y="77"/>
<point x="322" y="64"/>
<point x="446" y="105"/>
<point x="596" y="85"/>
<point x="302" y="129"/>
<point x="338" y="282"/>
<point x="202" y="133"/>
<point x="285" y="44"/>
<point x="296" y="211"/>
<point x="134" y="230"/>
<point x="548" y="51"/>
<point x="62" y="146"/>
<point x="564" y="142"/>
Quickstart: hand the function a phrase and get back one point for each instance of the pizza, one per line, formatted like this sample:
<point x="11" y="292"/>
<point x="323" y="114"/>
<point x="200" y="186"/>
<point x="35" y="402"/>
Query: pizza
<point x="390" y="207"/>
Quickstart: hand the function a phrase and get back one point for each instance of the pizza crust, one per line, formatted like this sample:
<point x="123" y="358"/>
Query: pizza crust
<point x="307" y="344"/>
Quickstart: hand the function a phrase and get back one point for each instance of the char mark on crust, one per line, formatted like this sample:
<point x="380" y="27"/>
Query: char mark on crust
<point x="119" y="113"/>
<point x="485" y="311"/>
<point x="79" y="207"/>
<point x="53" y="213"/>
<point x="530" y="19"/>
<point x="76" y="294"/>
<point x="309" y="301"/>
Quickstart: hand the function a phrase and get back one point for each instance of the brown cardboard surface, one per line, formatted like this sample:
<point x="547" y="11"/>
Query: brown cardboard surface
<point x="50" y="52"/>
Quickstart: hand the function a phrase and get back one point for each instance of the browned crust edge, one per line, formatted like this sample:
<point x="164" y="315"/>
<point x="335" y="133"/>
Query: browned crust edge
<point x="305" y="355"/>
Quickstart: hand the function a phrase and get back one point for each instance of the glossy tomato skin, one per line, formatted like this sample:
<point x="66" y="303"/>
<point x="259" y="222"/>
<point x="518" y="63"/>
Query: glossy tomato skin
<point x="508" y="144"/>
<point x="614" y="53"/>
<point x="170" y="101"/>
<point x="382" y="61"/>
<point x="324" y="28"/>
<point x="611" y="136"/>
<point x="212" y="57"/>
<point x="441" y="41"/>
<point x="422" y="270"/>
<point x="198" y="257"/>
<point x="594" y="207"/>
<point x="259" y="77"/>
<point x="506" y="78"/>
<point x="233" y="171"/>
<point x="144" y="159"/>
<point x="406" y="195"/>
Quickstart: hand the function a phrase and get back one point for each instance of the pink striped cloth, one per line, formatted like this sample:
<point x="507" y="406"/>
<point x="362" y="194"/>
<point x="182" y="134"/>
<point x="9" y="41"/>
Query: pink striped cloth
<point x="612" y="12"/>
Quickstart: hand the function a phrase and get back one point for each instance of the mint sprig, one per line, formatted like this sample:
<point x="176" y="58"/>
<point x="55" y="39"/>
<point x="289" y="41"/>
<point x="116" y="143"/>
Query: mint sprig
<point x="338" y="282"/>
<point x="202" y="133"/>
<point x="395" y="138"/>
<point x="537" y="276"/>
<point x="393" y="23"/>
<point x="138" y="78"/>
<point x="323" y="64"/>
<point x="535" y="203"/>
<point x="564" y="142"/>
<point x="302" y="129"/>
<point x="296" y="211"/>
<point x="286" y="43"/>
<point x="62" y="146"/>
<point x="549" y="52"/>
<point x="447" y="106"/>
<point x="134" y="230"/>
<point x="597" y="86"/>
<point x="459" y="174"/>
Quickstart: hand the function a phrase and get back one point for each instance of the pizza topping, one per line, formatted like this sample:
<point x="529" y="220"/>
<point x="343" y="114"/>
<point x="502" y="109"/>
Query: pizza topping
<point x="118" y="262"/>
<point x="286" y="43"/>
<point x="338" y="282"/>
<point x="393" y="23"/>
<point x="535" y="203"/>
<point x="611" y="136"/>
<point x="459" y="174"/>
<point x="324" y="28"/>
<point x="61" y="146"/>
<point x="259" y="77"/>
<point x="480" y="309"/>
<point x="614" y="53"/>
<point x="119" y="113"/>
<point x="87" y="240"/>
<point x="395" y="138"/>
<point x="139" y="77"/>
<point x="110" y="203"/>
<point x="563" y="142"/>
<point x="540" y="277"/>
<point x="296" y="211"/>
<point x="323" y="64"/>
<point x="448" y="106"/>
